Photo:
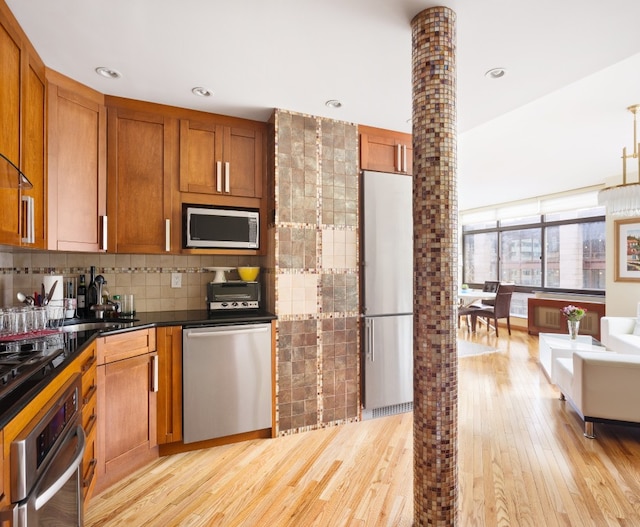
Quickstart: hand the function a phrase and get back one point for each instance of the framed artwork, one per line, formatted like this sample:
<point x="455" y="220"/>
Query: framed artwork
<point x="627" y="250"/>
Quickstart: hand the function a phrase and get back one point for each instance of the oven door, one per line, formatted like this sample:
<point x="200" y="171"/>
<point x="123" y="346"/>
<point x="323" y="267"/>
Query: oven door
<point x="56" y="499"/>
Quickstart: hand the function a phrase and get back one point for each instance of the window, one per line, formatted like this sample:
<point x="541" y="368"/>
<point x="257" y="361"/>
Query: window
<point x="557" y="251"/>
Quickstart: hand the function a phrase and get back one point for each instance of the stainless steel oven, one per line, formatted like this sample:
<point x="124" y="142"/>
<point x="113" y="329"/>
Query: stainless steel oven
<point x="46" y="460"/>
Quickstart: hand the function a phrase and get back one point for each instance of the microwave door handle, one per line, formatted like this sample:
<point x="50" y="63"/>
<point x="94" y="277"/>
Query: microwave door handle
<point x="218" y="176"/>
<point x="53" y="489"/>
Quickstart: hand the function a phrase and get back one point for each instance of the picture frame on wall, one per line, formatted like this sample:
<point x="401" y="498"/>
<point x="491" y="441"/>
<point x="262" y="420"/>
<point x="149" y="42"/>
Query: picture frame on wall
<point x="627" y="250"/>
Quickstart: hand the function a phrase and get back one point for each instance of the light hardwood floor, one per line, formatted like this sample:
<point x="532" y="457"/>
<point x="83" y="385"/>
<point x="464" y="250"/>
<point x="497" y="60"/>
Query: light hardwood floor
<point x="523" y="461"/>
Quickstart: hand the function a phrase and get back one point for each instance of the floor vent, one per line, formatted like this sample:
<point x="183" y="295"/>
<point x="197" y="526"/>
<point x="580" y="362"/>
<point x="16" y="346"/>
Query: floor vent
<point x="387" y="410"/>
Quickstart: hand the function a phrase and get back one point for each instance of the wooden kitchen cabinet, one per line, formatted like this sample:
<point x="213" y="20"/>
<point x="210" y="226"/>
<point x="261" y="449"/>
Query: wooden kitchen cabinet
<point x="77" y="166"/>
<point x="127" y="402"/>
<point x="169" y="342"/>
<point x="141" y="179"/>
<point x="88" y="370"/>
<point x="385" y="150"/>
<point x="22" y="134"/>
<point x="222" y="160"/>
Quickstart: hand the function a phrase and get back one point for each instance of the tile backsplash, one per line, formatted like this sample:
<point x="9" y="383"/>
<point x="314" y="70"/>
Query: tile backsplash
<point x="148" y="277"/>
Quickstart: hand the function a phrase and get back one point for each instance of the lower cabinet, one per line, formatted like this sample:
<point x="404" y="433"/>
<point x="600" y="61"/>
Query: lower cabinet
<point x="127" y="385"/>
<point x="169" y="340"/>
<point x="88" y="369"/>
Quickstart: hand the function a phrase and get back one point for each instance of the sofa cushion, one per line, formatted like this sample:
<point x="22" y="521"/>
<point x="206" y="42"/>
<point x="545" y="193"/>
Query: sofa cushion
<point x="628" y="344"/>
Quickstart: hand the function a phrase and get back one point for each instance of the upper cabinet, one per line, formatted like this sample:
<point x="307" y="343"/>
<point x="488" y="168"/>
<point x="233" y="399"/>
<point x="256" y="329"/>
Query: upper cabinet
<point x="22" y="135"/>
<point x="77" y="166"/>
<point x="141" y="153"/>
<point x="220" y="159"/>
<point x="385" y="150"/>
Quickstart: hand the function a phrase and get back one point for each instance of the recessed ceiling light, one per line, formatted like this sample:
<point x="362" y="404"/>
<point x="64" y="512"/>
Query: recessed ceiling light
<point x="201" y="92"/>
<point x="108" y="73"/>
<point x="495" y="73"/>
<point x="333" y="103"/>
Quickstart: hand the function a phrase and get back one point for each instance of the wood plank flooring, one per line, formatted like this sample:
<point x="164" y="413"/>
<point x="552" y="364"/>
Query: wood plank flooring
<point x="523" y="461"/>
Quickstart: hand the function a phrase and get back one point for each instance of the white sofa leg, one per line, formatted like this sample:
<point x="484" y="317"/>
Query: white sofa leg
<point x="588" y="430"/>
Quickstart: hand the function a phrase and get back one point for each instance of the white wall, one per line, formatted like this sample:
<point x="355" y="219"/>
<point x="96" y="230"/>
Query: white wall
<point x="622" y="297"/>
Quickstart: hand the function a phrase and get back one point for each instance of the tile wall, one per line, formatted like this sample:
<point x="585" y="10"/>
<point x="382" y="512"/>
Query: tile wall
<point x="148" y="277"/>
<point x="313" y="271"/>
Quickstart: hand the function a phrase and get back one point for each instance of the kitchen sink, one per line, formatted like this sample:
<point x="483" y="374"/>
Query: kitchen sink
<point x="93" y="326"/>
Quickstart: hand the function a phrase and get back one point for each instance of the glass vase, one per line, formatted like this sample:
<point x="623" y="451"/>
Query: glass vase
<point x="574" y="328"/>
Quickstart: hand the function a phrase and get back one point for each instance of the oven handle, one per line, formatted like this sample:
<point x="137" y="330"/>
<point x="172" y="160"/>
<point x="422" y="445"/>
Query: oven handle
<point x="52" y="490"/>
<point x="208" y="334"/>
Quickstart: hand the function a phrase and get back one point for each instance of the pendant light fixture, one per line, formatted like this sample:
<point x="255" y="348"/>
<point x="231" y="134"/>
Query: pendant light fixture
<point x="624" y="200"/>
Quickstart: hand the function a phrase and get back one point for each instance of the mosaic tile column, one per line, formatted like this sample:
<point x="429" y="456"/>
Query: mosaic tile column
<point x="435" y="212"/>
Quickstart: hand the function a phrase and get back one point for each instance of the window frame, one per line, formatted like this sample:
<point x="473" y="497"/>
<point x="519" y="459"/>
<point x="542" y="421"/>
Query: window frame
<point x="542" y="224"/>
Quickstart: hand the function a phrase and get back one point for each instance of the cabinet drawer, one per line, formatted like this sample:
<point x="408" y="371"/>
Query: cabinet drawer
<point x="126" y="345"/>
<point x="89" y="464"/>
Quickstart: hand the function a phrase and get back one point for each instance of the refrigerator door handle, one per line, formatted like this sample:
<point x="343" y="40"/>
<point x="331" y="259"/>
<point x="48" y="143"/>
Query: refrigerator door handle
<point x="370" y="341"/>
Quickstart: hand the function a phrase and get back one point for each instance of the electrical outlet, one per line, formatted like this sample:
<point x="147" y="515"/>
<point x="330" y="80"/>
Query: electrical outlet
<point x="176" y="280"/>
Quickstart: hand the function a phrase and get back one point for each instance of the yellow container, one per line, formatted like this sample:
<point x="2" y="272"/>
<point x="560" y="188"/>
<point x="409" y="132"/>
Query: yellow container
<point x="248" y="274"/>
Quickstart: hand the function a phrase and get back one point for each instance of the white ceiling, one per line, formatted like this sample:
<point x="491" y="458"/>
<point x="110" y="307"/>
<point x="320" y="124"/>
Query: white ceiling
<point x="555" y="122"/>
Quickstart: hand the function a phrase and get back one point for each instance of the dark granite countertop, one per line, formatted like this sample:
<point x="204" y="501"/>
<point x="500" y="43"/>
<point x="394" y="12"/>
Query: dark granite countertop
<point x="75" y="342"/>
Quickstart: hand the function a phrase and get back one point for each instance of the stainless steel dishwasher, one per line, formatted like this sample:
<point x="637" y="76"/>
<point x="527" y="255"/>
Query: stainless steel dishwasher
<point x="226" y="374"/>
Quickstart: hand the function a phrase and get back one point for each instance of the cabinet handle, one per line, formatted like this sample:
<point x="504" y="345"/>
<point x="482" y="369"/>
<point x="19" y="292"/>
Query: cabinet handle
<point x="404" y="158"/>
<point x="92" y="389"/>
<point x="167" y="235"/>
<point x="92" y="470"/>
<point x="93" y="419"/>
<point x="105" y="232"/>
<point x="218" y="176"/>
<point x="154" y="373"/>
<point x="226" y="176"/>
<point x="87" y="365"/>
<point x="399" y="158"/>
<point x="28" y="205"/>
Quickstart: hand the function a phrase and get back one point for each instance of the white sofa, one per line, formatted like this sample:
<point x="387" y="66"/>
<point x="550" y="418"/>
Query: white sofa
<point x="603" y="387"/>
<point x="617" y="334"/>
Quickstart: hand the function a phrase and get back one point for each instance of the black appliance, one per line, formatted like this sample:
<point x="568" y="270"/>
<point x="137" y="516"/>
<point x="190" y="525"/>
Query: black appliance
<point x="233" y="295"/>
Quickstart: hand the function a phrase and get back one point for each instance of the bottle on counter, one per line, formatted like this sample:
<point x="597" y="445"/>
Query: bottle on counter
<point x="92" y="292"/>
<point x="82" y="297"/>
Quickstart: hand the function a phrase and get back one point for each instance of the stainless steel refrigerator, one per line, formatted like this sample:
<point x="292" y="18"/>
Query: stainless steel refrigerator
<point x="388" y="289"/>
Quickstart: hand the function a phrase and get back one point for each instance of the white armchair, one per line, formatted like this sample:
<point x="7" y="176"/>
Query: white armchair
<point x="617" y="334"/>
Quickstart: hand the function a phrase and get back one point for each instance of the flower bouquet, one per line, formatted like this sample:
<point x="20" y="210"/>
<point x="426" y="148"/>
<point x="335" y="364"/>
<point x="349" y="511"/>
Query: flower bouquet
<point x="574" y="314"/>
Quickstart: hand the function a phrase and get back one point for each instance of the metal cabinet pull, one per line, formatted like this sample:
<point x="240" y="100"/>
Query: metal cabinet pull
<point x="218" y="176"/>
<point x="399" y="157"/>
<point x="226" y="177"/>
<point x="167" y="235"/>
<point x="154" y="373"/>
<point x="28" y="232"/>
<point x="404" y="158"/>
<point x="105" y="232"/>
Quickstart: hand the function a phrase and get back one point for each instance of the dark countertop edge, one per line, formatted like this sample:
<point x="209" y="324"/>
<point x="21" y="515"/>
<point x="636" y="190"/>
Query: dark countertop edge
<point x="142" y="321"/>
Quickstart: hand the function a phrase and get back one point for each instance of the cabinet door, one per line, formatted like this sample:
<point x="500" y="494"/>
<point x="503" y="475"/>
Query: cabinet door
<point x="139" y="181"/>
<point x="243" y="168"/>
<point x="10" y="60"/>
<point x="33" y="149"/>
<point x="127" y="437"/>
<point x="169" y="341"/>
<point x="384" y="151"/>
<point x="220" y="160"/>
<point x="201" y="157"/>
<point x="76" y="170"/>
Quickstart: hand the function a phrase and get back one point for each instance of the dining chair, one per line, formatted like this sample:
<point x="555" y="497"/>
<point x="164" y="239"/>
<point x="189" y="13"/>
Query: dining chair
<point x="499" y="310"/>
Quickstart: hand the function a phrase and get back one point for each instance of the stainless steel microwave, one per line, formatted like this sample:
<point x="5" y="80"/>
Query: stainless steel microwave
<point x="220" y="228"/>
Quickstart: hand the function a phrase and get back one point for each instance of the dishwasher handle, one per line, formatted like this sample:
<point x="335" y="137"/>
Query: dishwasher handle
<point x="208" y="334"/>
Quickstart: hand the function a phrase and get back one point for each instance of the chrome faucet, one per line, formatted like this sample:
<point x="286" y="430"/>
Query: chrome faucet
<point x="100" y="307"/>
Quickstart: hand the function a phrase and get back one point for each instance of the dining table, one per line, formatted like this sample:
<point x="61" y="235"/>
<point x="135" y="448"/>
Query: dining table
<point x="466" y="297"/>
